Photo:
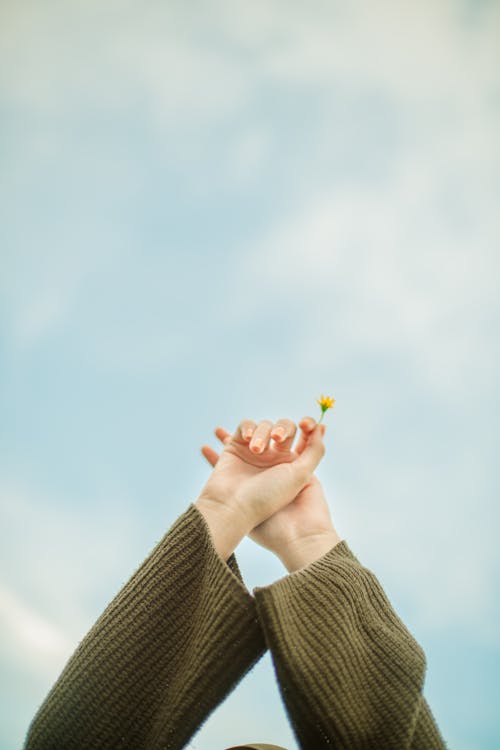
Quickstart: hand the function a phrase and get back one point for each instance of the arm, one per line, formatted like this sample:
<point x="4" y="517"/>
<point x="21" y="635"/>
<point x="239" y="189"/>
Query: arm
<point x="184" y="630"/>
<point x="349" y="671"/>
<point x="150" y="670"/>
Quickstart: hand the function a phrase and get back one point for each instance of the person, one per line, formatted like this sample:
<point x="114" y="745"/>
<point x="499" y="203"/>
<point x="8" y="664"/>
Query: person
<point x="184" y="630"/>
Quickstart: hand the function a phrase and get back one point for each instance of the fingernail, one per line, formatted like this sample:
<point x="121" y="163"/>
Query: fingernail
<point x="248" y="433"/>
<point x="323" y="428"/>
<point x="257" y="446"/>
<point x="278" y="433"/>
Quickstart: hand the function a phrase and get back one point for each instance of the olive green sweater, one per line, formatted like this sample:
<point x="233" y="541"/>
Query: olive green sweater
<point x="184" y="630"/>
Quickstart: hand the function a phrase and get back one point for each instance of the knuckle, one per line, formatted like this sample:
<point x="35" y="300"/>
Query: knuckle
<point x="265" y="424"/>
<point x="243" y="429"/>
<point x="247" y="424"/>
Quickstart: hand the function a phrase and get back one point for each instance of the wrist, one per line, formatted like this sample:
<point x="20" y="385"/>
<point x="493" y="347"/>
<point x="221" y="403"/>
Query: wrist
<point x="301" y="552"/>
<point x="225" y="524"/>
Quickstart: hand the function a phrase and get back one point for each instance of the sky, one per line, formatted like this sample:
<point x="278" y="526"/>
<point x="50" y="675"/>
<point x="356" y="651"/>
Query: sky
<point x="219" y="210"/>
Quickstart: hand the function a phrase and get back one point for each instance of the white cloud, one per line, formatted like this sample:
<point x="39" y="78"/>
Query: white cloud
<point x="386" y="267"/>
<point x="413" y="52"/>
<point x="186" y="74"/>
<point x="247" y="155"/>
<point x="68" y="561"/>
<point x="35" y="641"/>
<point x="183" y="66"/>
<point x="151" y="58"/>
<point x="428" y="534"/>
<point x="42" y="280"/>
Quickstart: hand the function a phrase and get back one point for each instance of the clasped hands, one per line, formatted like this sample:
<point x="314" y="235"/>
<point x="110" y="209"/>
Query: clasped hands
<point x="263" y="488"/>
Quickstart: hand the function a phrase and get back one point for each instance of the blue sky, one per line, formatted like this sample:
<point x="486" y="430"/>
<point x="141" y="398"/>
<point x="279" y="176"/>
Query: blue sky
<point x="220" y="210"/>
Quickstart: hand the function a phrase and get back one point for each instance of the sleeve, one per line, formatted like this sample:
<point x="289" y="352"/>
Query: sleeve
<point x="350" y="673"/>
<point x="165" y="652"/>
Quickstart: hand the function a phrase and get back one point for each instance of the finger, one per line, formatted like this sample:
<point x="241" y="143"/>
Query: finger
<point x="313" y="452"/>
<point x="261" y="436"/>
<point x="245" y="430"/>
<point x="223" y="435"/>
<point x="209" y="453"/>
<point x="307" y="425"/>
<point x="283" y="434"/>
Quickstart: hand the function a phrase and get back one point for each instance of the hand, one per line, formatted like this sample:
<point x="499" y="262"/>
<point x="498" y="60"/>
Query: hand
<point x="252" y="479"/>
<point x="302" y="530"/>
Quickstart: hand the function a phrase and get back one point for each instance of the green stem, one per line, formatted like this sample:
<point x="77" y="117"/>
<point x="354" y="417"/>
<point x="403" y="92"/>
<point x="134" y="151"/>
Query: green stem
<point x="321" y="418"/>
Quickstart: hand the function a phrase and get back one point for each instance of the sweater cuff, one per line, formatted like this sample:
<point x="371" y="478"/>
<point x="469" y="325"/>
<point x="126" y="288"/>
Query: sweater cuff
<point x="342" y="587"/>
<point x="337" y="562"/>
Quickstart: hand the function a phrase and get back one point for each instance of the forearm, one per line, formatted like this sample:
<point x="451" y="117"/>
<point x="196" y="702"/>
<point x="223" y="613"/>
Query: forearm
<point x="227" y="527"/>
<point x="350" y="673"/>
<point x="149" y="672"/>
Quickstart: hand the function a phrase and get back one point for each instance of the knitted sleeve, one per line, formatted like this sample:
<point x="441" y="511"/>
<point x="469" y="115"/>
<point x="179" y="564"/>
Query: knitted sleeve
<point x="166" y="651"/>
<point x="350" y="673"/>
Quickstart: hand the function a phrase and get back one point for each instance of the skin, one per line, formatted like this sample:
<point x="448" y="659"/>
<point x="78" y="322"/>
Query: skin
<point x="264" y="488"/>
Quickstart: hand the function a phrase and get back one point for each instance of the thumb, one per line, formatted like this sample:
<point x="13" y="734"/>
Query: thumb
<point x="313" y="451"/>
<point x="209" y="453"/>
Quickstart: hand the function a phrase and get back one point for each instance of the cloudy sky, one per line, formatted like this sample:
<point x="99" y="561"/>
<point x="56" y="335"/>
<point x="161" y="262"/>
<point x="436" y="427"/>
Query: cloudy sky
<point x="218" y="210"/>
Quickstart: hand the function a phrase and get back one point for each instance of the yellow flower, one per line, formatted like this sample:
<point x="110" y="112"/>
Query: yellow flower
<point x="326" y="402"/>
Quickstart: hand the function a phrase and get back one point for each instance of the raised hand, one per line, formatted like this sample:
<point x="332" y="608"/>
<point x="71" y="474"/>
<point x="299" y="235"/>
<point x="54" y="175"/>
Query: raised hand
<point x="301" y="530"/>
<point x="251" y="480"/>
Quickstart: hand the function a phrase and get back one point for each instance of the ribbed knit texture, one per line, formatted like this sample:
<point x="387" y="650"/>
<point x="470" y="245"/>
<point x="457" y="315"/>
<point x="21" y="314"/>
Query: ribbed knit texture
<point x="350" y="673"/>
<point x="184" y="630"/>
<point x="171" y="645"/>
